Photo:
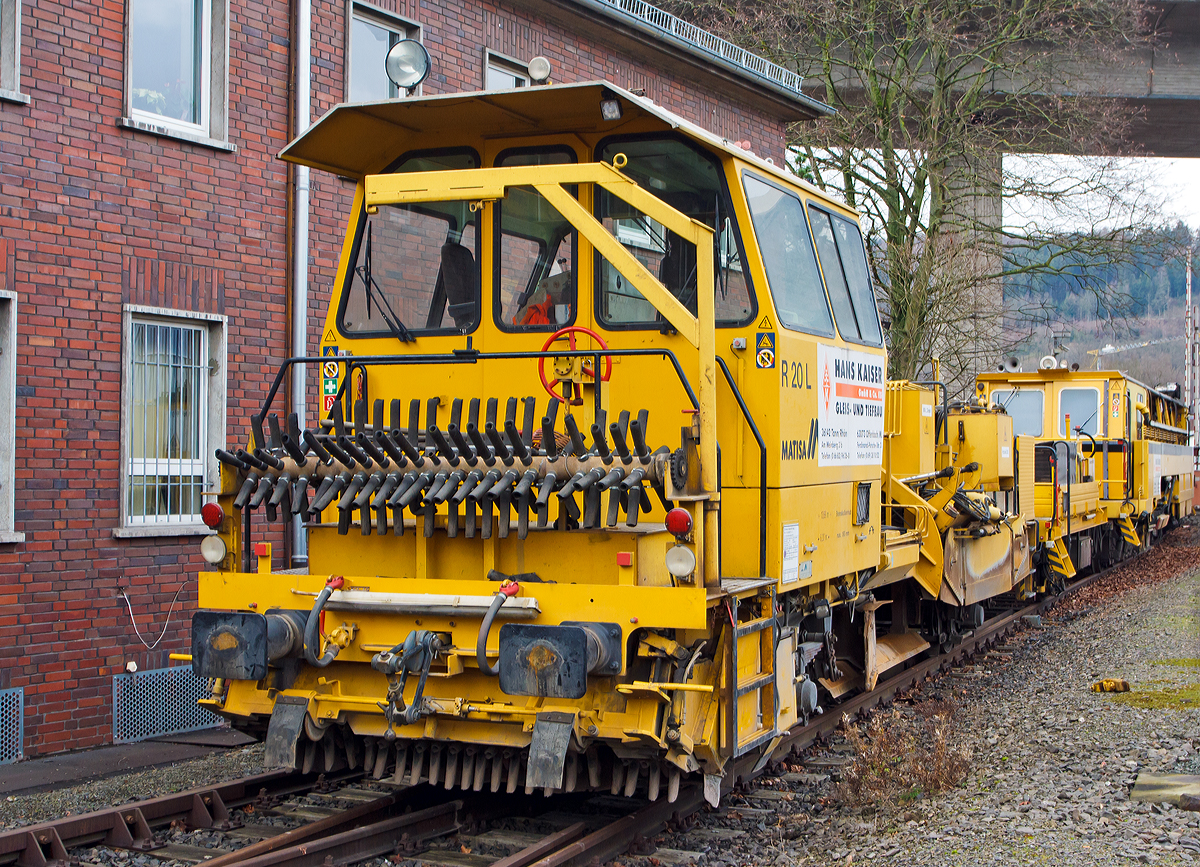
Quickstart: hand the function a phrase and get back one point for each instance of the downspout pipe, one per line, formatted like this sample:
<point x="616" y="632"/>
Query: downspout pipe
<point x="300" y="248"/>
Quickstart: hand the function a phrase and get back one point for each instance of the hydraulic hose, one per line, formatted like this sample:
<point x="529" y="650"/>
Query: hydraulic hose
<point x="312" y="627"/>
<point x="507" y="589"/>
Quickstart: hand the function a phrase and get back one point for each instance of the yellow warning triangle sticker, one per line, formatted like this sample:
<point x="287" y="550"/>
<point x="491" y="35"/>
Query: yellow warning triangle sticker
<point x="330" y="336"/>
<point x="764" y="340"/>
<point x="765" y="323"/>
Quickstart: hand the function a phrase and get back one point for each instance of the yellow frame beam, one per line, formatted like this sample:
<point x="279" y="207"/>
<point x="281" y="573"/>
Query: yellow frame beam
<point x="484" y="185"/>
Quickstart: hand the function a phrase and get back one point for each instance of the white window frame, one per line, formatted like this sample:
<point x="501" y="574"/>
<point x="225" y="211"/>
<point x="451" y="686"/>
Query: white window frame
<point x="8" y="417"/>
<point x="10" y="52"/>
<point x="213" y="425"/>
<point x="402" y="27"/>
<point x="1062" y="421"/>
<point x="213" y="129"/>
<point x="504" y="63"/>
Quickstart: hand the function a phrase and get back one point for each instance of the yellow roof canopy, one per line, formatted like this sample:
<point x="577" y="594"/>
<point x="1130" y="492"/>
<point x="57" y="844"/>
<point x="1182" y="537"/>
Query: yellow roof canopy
<point x="356" y="139"/>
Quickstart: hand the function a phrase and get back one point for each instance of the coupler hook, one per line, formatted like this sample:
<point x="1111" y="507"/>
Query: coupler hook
<point x="416" y="654"/>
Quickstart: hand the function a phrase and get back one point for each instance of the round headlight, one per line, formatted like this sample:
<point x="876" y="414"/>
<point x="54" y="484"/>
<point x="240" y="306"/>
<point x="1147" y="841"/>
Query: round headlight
<point x="539" y="70"/>
<point x="212" y="549"/>
<point x="681" y="562"/>
<point x="407" y="63"/>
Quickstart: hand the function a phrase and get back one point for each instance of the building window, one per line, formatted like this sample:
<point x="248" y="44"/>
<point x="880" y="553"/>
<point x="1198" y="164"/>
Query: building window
<point x="503" y="73"/>
<point x="173" y="418"/>
<point x="371" y="34"/>
<point x="176" y="74"/>
<point x="10" y="51"/>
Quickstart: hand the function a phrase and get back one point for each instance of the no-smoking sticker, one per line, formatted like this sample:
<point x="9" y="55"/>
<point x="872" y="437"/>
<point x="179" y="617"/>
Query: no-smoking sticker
<point x="764" y="350"/>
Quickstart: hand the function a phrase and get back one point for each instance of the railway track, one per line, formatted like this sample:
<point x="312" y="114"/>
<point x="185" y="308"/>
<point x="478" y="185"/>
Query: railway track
<point x="988" y="635"/>
<point x="294" y="820"/>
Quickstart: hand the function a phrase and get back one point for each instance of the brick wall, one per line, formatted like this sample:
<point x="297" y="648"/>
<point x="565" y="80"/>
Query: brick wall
<point x="93" y="216"/>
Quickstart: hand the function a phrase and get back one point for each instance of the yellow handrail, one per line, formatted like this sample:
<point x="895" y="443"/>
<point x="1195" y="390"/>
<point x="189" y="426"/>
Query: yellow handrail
<point x="491" y="184"/>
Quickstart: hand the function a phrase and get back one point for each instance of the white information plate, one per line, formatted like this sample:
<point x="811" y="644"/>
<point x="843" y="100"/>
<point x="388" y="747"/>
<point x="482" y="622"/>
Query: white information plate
<point x="850" y="392"/>
<point x="791" y="554"/>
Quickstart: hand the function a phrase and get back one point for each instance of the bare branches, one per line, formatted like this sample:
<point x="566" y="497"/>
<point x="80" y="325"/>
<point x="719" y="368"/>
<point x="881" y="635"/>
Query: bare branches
<point x="930" y="94"/>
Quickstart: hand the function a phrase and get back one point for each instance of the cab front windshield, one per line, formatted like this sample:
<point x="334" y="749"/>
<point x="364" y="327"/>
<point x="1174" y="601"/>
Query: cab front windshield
<point x="535" y="263"/>
<point x="689" y="180"/>
<point x="1026" y="406"/>
<point x="416" y="267"/>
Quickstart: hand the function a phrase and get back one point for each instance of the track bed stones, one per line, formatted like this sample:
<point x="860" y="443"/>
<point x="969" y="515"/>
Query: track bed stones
<point x="1053" y="762"/>
<point x="26" y="809"/>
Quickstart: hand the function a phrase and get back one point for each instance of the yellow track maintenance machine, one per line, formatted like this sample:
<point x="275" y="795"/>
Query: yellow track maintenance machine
<point x="1112" y="462"/>
<point x="608" y="486"/>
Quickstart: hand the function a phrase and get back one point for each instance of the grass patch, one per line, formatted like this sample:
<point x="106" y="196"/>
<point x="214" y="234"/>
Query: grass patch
<point x="902" y="757"/>
<point x="1169" y="697"/>
<point x="1178" y="663"/>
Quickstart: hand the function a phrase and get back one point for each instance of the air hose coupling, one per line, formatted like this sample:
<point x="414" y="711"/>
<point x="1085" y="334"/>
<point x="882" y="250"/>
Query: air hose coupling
<point x="312" y="626"/>
<point x="507" y="590"/>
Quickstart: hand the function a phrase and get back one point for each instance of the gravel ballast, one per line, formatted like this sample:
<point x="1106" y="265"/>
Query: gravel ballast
<point x="1052" y="761"/>
<point x="17" y="810"/>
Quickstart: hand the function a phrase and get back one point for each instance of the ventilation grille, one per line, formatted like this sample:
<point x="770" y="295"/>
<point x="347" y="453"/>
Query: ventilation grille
<point x="862" y="505"/>
<point x="12" y="724"/>
<point x="159" y="702"/>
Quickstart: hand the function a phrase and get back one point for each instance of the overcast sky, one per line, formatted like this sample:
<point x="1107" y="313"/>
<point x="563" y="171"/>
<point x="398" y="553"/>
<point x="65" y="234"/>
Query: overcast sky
<point x="1180" y="182"/>
<point x="1169" y="186"/>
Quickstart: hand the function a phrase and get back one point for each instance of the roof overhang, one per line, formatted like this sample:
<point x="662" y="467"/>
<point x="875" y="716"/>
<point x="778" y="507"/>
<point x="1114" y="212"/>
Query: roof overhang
<point x="355" y="139"/>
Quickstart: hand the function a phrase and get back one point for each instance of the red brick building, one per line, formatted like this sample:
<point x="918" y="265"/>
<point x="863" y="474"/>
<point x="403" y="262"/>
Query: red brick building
<point x="146" y="244"/>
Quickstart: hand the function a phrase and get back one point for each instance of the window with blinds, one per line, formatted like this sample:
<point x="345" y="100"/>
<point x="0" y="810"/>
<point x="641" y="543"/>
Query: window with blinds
<point x="167" y="425"/>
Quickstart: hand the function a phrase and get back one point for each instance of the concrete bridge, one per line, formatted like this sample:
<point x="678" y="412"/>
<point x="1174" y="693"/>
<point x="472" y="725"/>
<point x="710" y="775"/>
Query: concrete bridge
<point x="1165" y="87"/>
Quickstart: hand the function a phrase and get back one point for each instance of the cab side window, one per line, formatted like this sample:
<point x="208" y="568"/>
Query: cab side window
<point x="781" y="230"/>
<point x="844" y="263"/>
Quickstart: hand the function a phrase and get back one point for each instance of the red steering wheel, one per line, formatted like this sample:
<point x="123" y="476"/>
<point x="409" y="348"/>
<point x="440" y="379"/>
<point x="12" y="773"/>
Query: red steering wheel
<point x="569" y="332"/>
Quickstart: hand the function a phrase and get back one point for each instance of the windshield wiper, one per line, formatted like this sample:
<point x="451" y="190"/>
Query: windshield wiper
<point x="394" y="323"/>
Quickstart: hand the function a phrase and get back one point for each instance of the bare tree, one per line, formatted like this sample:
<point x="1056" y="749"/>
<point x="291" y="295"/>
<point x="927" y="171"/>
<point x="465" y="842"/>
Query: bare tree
<point x="929" y="95"/>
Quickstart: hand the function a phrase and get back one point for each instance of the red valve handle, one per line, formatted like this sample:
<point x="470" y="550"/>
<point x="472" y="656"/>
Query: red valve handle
<point x="570" y="331"/>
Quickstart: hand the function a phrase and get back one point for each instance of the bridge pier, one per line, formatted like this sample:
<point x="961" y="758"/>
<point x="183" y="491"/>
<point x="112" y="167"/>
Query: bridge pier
<point x="973" y="263"/>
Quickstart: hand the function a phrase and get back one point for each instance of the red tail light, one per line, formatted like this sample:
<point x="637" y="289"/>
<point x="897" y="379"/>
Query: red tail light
<point x="212" y="515"/>
<point x="679" y="522"/>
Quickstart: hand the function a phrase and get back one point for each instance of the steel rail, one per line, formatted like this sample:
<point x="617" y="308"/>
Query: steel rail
<point x="130" y="826"/>
<point x="572" y="847"/>
<point x="368" y="841"/>
<point x="328" y="825"/>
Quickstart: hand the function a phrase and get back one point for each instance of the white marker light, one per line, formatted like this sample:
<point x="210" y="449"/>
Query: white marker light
<point x="681" y="562"/>
<point x="539" y="70"/>
<point x="407" y="63"/>
<point x="212" y="549"/>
